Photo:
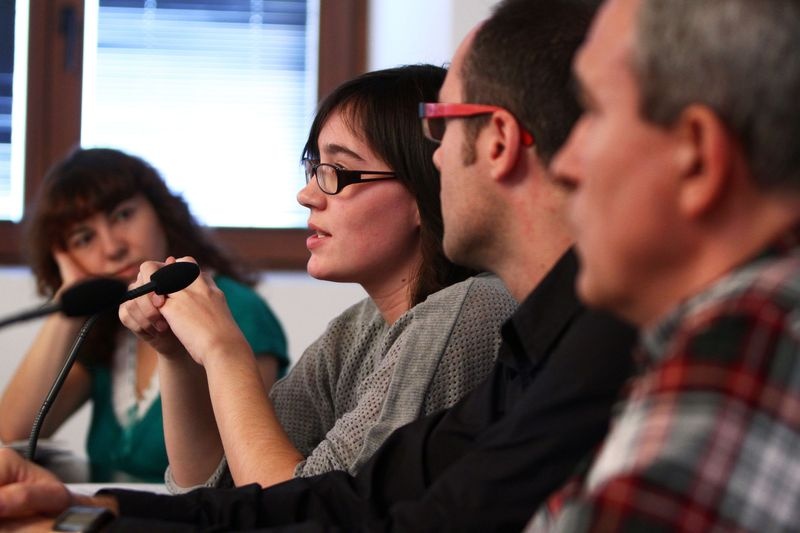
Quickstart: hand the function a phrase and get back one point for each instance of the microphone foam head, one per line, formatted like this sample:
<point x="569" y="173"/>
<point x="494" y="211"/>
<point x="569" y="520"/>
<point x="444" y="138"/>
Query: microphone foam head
<point x="174" y="277"/>
<point x="92" y="296"/>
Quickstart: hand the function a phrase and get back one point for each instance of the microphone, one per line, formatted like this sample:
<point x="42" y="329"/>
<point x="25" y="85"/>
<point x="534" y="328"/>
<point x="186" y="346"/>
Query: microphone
<point x="91" y="296"/>
<point x="166" y="280"/>
<point x="94" y="295"/>
<point x="82" y="299"/>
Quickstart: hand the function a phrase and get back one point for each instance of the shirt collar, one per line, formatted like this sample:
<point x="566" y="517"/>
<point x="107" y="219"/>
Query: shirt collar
<point x="543" y="315"/>
<point x="655" y="339"/>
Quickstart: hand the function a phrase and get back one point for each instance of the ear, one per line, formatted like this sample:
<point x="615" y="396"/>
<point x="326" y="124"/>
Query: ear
<point x="705" y="154"/>
<point x="504" y="138"/>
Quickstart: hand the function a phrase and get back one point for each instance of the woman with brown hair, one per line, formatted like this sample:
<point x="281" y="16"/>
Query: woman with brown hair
<point x="102" y="212"/>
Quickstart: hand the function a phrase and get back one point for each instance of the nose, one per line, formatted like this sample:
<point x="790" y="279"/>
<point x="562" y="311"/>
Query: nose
<point x="311" y="195"/>
<point x="112" y="242"/>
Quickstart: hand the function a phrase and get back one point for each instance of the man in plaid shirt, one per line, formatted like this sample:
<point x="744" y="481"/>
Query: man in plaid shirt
<point x="685" y="179"/>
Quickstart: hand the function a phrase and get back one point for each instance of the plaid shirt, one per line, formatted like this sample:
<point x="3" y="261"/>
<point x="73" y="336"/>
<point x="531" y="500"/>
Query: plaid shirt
<point x="709" y="437"/>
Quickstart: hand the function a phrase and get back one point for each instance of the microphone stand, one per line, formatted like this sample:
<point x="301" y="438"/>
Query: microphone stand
<point x="57" y="384"/>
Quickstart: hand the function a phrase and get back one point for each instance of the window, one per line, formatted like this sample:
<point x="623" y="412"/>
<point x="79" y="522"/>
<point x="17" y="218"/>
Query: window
<point x="105" y="65"/>
<point x="216" y="94"/>
<point x="13" y="63"/>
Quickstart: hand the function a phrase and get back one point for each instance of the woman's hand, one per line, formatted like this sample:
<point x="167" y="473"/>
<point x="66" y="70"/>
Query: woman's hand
<point x="198" y="316"/>
<point x="143" y="315"/>
<point x="71" y="272"/>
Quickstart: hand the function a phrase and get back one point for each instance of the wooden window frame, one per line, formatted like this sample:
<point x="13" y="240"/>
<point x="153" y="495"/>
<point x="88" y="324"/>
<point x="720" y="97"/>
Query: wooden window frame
<point x="54" y="105"/>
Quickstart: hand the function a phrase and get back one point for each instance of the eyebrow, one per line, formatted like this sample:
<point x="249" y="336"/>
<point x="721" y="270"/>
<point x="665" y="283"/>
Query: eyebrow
<point x="80" y="228"/>
<point x="337" y="149"/>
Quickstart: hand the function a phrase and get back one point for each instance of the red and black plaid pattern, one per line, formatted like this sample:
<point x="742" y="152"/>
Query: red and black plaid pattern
<point x="709" y="437"/>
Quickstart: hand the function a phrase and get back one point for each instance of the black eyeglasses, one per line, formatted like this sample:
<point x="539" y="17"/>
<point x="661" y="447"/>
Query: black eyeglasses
<point x="332" y="179"/>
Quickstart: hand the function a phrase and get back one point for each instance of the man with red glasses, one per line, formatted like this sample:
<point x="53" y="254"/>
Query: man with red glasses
<point x="486" y="463"/>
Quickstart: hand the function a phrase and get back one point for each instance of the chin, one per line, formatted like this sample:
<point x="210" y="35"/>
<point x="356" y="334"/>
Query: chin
<point x="458" y="254"/>
<point x="587" y="291"/>
<point x="320" y="272"/>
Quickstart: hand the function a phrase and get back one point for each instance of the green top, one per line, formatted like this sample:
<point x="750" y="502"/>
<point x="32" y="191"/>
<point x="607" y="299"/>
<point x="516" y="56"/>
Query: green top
<point x="138" y="452"/>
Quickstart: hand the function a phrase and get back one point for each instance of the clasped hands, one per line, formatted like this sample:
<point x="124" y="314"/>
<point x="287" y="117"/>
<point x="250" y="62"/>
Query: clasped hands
<point x="195" y="321"/>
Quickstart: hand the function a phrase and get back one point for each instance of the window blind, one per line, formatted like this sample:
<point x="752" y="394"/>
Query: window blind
<point x="216" y="94"/>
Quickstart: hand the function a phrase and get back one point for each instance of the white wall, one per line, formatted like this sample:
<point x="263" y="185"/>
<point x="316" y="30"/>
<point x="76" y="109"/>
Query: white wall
<point x="419" y="31"/>
<point x="401" y="32"/>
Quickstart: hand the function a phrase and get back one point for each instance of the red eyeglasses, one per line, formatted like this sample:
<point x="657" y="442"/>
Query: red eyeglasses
<point x="433" y="115"/>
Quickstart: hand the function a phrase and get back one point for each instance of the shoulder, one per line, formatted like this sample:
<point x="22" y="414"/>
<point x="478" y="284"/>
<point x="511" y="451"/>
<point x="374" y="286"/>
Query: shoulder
<point x="361" y="312"/>
<point x="351" y="335"/>
<point x="478" y="302"/>
<point x="359" y="321"/>
<point x="744" y="327"/>
<point x="481" y="289"/>
<point x="482" y="298"/>
<point x="770" y="279"/>
<point x="764" y="295"/>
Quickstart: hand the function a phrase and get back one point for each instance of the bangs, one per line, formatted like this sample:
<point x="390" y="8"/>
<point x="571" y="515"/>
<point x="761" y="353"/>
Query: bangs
<point x="79" y="195"/>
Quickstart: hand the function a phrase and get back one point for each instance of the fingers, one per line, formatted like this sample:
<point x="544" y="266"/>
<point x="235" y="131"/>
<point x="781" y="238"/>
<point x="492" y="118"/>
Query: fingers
<point x="143" y="318"/>
<point x="31" y="498"/>
<point x="70" y="270"/>
<point x="32" y="524"/>
<point x="142" y="315"/>
<point x="27" y="489"/>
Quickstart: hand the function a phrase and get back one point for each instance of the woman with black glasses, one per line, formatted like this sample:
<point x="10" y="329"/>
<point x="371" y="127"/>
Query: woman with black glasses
<point x="427" y="334"/>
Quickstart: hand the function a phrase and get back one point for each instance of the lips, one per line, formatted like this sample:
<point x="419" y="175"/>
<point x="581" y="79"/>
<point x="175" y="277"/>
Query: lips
<point x="318" y="235"/>
<point x="316" y="231"/>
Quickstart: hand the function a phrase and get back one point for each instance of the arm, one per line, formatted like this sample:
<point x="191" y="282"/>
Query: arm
<point x="187" y="399"/>
<point x="198" y="321"/>
<point x="27" y="389"/>
<point x="190" y="432"/>
<point x="268" y="370"/>
<point x="260" y="327"/>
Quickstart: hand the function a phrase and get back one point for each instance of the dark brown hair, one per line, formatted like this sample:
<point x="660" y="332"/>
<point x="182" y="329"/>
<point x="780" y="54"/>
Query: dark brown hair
<point x="380" y="107"/>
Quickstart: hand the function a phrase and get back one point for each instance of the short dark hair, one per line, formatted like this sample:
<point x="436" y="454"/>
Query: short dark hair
<point x="521" y="59"/>
<point x="96" y="180"/>
<point x="380" y="107"/>
<point x="739" y="58"/>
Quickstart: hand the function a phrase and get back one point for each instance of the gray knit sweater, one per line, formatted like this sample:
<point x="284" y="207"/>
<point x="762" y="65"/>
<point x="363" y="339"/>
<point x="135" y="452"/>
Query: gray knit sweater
<point x="362" y="378"/>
